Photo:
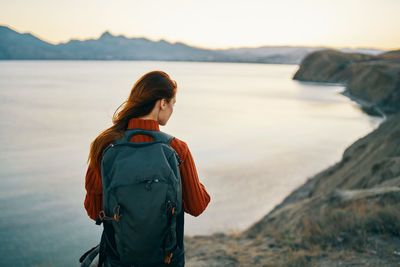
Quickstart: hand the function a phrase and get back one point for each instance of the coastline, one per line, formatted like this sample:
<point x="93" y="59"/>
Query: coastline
<point x="320" y="221"/>
<point x="263" y="244"/>
<point x="303" y="190"/>
<point x="367" y="107"/>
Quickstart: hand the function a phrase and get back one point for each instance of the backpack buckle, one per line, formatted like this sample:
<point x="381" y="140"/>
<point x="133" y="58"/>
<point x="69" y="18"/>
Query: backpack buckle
<point x="102" y="215"/>
<point x="168" y="258"/>
<point x="116" y="213"/>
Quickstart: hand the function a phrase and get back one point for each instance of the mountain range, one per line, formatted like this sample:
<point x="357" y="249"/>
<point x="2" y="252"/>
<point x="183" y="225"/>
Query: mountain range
<point x="26" y="46"/>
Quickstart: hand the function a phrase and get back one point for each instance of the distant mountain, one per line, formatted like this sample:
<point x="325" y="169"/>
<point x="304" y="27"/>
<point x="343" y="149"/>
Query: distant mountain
<point x="110" y="47"/>
<point x="284" y="54"/>
<point x="14" y="45"/>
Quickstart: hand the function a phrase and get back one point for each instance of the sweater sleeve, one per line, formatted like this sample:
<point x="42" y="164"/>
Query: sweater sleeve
<point x="94" y="192"/>
<point x="194" y="195"/>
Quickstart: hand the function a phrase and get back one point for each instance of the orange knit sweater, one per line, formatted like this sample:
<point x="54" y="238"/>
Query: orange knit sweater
<point x="194" y="195"/>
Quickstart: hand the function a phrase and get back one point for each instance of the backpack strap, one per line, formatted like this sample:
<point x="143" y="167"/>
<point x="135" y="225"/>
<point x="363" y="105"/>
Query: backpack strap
<point x="107" y="247"/>
<point x="87" y="258"/>
<point x="157" y="135"/>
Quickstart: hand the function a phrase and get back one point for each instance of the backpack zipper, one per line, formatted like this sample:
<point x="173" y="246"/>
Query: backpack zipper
<point x="148" y="183"/>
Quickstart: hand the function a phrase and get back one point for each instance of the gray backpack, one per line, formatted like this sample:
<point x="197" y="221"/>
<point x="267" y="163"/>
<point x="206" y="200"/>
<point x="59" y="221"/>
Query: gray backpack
<point x="142" y="195"/>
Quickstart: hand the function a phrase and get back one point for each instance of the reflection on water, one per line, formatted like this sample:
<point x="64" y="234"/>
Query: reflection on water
<point x="254" y="133"/>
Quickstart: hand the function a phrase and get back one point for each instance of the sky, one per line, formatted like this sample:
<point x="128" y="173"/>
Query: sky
<point x="213" y="23"/>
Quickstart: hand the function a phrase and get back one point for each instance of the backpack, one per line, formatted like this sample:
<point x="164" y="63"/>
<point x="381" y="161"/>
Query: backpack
<point x="142" y="196"/>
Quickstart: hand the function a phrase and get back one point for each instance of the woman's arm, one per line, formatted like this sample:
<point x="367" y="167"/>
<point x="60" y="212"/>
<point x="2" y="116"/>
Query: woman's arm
<point x="94" y="192"/>
<point x="194" y="195"/>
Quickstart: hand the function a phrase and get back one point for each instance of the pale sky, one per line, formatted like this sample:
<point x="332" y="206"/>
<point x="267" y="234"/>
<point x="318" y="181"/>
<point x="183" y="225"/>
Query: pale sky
<point x="213" y="23"/>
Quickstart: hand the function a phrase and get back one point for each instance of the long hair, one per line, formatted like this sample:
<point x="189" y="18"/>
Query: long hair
<point x="150" y="88"/>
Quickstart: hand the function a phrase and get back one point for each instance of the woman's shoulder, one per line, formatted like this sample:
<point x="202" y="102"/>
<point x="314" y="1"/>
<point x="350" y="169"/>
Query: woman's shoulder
<point x="180" y="147"/>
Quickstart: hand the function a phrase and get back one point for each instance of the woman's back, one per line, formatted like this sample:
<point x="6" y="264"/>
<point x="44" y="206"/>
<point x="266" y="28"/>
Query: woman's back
<point x="149" y="105"/>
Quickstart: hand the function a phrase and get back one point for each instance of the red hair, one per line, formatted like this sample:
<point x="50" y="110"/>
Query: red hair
<point x="150" y="88"/>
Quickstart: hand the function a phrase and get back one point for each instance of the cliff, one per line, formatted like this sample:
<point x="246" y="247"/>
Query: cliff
<point x="373" y="80"/>
<point x="345" y="215"/>
<point x="372" y="161"/>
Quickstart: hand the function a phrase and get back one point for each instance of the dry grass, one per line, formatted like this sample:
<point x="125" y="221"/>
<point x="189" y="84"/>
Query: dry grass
<point x="355" y="232"/>
<point x="354" y="228"/>
<point x="351" y="226"/>
<point x="298" y="258"/>
<point x="345" y="227"/>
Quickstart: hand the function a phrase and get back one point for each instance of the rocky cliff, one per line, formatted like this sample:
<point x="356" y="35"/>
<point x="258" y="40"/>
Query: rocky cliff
<point x="373" y="80"/>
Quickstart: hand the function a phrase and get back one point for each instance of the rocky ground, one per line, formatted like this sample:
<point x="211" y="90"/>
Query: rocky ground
<point x="347" y="215"/>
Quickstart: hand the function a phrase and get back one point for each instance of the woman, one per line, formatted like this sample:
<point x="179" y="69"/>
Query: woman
<point x="150" y="104"/>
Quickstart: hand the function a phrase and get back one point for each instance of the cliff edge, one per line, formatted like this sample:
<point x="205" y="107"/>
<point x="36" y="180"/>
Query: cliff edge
<point x="372" y="80"/>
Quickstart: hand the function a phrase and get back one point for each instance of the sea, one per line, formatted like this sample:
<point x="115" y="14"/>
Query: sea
<point x="255" y="135"/>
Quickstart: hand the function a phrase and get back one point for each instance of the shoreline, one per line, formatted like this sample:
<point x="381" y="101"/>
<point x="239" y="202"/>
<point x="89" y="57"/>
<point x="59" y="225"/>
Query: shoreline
<point x="346" y="214"/>
<point x="303" y="190"/>
<point x="368" y="108"/>
<point x="276" y="240"/>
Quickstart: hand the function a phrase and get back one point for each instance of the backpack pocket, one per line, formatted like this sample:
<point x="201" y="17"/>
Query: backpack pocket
<point x="143" y="222"/>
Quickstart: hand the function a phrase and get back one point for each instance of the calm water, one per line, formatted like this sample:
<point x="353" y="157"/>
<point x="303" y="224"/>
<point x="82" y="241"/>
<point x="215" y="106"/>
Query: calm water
<point x="254" y="133"/>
